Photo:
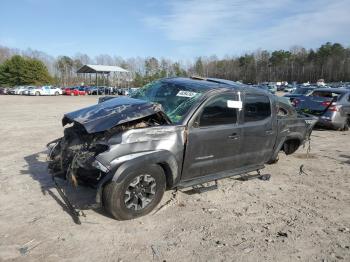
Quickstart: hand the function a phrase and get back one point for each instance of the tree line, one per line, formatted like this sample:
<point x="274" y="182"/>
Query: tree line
<point x="331" y="61"/>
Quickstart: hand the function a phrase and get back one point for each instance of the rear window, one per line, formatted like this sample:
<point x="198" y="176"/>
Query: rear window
<point x="301" y="91"/>
<point x="256" y="108"/>
<point x="327" y="94"/>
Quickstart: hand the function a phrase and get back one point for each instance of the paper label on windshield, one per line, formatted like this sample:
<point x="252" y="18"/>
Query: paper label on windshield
<point x="183" y="93"/>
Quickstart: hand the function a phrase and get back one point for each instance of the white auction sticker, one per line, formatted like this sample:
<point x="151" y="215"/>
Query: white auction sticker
<point x="234" y="104"/>
<point x="186" y="93"/>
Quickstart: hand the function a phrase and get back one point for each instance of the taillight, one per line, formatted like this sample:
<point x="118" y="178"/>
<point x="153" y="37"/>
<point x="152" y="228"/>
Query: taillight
<point x="295" y="102"/>
<point x="333" y="108"/>
<point x="326" y="103"/>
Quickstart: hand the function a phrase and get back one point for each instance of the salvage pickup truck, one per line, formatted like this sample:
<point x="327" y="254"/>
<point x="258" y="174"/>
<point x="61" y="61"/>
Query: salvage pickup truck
<point x="173" y="133"/>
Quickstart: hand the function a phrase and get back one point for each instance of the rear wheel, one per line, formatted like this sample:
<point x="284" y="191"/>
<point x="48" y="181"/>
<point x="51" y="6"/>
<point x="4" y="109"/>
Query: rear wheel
<point x="57" y="93"/>
<point x="136" y="195"/>
<point x="37" y="93"/>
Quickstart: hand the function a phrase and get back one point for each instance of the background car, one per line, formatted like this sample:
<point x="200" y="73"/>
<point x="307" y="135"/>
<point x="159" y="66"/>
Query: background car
<point x="75" y="91"/>
<point x="88" y="89"/>
<point x="18" y="90"/>
<point x="3" y="91"/>
<point x="45" y="91"/>
<point x="268" y="88"/>
<point x="289" y="88"/>
<point x="300" y="91"/>
<point x="331" y="105"/>
<point x="27" y="89"/>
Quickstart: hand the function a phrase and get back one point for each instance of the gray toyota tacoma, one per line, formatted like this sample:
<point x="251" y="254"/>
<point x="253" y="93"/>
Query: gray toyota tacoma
<point x="173" y="133"/>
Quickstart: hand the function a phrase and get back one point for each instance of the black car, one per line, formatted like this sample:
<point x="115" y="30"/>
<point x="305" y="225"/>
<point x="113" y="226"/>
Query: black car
<point x="3" y="91"/>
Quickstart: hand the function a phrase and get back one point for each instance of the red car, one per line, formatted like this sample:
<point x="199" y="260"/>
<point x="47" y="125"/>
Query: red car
<point x="75" y="91"/>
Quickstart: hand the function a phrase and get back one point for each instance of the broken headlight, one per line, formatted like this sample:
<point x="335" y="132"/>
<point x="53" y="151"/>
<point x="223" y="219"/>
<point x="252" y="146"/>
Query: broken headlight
<point x="97" y="164"/>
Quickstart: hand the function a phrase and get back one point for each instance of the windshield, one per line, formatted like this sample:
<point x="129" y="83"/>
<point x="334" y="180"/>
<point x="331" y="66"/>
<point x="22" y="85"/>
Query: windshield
<point x="175" y="99"/>
<point x="301" y="91"/>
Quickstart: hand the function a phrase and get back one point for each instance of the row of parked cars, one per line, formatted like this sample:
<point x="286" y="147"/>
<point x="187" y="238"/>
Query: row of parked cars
<point x="56" y="91"/>
<point x="331" y="105"/>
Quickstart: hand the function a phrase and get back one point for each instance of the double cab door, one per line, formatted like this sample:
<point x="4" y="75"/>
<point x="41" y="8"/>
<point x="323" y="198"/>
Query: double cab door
<point x="222" y="138"/>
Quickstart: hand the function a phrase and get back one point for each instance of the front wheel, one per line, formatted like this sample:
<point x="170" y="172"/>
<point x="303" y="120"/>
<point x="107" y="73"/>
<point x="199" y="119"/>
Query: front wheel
<point x="136" y="195"/>
<point x="37" y="93"/>
<point x="57" y="93"/>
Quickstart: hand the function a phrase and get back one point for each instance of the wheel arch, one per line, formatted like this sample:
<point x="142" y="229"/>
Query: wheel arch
<point x="291" y="145"/>
<point x="165" y="159"/>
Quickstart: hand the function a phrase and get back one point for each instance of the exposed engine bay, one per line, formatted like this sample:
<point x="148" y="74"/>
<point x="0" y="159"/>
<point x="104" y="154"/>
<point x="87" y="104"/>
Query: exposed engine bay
<point x="72" y="157"/>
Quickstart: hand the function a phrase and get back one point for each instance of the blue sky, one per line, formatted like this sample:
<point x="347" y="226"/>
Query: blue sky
<point x="180" y="29"/>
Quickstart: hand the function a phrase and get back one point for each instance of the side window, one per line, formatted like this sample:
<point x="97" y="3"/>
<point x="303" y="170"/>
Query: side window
<point x="256" y="108"/>
<point x="216" y="112"/>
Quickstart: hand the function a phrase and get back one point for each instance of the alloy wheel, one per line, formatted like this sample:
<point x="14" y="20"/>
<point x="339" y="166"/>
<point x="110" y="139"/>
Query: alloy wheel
<point x="140" y="192"/>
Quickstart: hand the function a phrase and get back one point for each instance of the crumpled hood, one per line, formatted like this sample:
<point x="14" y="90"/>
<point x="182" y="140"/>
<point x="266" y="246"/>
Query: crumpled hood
<point x="103" y="116"/>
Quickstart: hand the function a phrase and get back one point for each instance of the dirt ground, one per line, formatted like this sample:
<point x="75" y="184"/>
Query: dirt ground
<point x="291" y="217"/>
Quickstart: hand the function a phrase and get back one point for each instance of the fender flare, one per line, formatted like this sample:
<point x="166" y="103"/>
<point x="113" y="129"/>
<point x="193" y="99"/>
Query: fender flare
<point x="163" y="158"/>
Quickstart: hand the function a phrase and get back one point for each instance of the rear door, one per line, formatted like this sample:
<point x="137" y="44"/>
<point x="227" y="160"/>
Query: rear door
<point x="258" y="129"/>
<point x="213" y="139"/>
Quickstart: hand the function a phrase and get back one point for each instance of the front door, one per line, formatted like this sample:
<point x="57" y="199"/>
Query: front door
<point x="213" y="140"/>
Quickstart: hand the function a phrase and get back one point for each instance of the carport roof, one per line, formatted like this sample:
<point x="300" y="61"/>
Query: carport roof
<point x="100" y="69"/>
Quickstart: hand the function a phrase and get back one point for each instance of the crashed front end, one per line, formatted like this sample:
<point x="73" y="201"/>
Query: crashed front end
<point x="75" y="155"/>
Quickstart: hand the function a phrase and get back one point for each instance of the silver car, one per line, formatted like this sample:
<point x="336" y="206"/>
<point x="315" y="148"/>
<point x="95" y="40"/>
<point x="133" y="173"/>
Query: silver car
<point x="331" y="105"/>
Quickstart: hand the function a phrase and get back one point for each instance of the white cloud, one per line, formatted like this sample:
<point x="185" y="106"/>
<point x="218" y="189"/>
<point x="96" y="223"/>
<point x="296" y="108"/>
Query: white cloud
<point x="231" y="26"/>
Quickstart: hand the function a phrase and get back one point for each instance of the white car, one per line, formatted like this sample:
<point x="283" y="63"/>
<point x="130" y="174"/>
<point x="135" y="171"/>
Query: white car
<point x="19" y="90"/>
<point x="45" y="91"/>
<point x="26" y="90"/>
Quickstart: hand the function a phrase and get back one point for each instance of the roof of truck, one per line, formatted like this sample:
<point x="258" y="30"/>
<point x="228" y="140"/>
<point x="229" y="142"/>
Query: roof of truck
<point x="210" y="83"/>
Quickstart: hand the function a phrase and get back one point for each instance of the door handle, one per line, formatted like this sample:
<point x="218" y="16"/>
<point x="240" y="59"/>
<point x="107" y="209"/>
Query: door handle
<point x="234" y="136"/>
<point x="268" y="132"/>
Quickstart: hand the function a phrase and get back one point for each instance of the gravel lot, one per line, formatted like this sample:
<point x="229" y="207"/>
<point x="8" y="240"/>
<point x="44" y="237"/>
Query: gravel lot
<point x="291" y="217"/>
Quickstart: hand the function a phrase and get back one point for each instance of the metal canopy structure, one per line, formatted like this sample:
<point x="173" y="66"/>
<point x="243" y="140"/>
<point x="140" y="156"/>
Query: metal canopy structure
<point x="102" y="69"/>
<point x="119" y="75"/>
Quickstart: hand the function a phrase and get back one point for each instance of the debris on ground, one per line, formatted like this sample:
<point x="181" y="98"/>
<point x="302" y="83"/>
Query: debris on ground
<point x="24" y="249"/>
<point x="282" y="234"/>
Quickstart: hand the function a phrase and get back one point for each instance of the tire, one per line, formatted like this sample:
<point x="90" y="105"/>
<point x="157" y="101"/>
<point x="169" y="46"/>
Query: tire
<point x="115" y="196"/>
<point x="37" y="93"/>
<point x="71" y="94"/>
<point x="57" y="93"/>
